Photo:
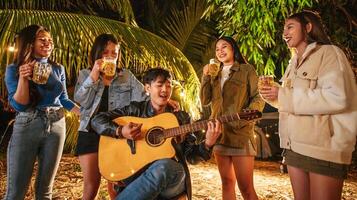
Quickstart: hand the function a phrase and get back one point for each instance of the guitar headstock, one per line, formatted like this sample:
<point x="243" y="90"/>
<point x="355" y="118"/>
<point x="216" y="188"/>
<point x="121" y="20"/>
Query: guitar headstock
<point x="250" y="114"/>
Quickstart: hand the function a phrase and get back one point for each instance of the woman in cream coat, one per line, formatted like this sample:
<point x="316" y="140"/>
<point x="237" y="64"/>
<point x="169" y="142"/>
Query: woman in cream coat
<point x="317" y="103"/>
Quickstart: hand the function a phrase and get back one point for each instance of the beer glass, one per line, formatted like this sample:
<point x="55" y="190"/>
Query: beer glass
<point x="109" y="66"/>
<point x="266" y="80"/>
<point x="213" y="67"/>
<point x="41" y="72"/>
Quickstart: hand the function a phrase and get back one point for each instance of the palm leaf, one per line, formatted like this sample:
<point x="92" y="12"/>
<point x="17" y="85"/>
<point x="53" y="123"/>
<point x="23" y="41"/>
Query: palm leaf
<point x="183" y="24"/>
<point x="114" y="9"/>
<point x="187" y="28"/>
<point x="73" y="36"/>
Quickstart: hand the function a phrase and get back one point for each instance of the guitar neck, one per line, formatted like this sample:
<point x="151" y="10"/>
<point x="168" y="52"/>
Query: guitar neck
<point x="202" y="125"/>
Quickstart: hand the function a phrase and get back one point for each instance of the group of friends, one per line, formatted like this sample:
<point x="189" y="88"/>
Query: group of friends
<point x="317" y="103"/>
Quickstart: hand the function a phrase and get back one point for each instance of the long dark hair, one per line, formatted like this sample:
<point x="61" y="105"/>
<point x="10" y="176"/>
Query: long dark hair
<point x="317" y="33"/>
<point x="238" y="57"/>
<point x="99" y="45"/>
<point x="25" y="41"/>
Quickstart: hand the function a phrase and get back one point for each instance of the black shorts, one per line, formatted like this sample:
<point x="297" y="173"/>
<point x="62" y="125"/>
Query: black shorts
<point x="87" y="142"/>
<point x="314" y="165"/>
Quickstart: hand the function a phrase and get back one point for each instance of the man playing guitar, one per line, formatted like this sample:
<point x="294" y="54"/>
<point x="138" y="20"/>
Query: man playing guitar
<point x="163" y="178"/>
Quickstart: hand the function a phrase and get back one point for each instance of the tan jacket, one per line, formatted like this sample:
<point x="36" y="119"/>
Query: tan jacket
<point x="318" y="105"/>
<point x="239" y="92"/>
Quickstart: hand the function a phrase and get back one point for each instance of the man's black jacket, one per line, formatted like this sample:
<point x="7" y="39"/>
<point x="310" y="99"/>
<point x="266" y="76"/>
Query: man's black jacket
<point x="188" y="150"/>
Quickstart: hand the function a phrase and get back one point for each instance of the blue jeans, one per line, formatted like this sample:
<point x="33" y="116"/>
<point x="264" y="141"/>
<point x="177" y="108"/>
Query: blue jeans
<point x="34" y="136"/>
<point x="164" y="178"/>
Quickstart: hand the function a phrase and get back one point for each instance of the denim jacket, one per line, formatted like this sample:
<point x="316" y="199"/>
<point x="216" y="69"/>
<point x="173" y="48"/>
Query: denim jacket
<point x="188" y="150"/>
<point x="123" y="89"/>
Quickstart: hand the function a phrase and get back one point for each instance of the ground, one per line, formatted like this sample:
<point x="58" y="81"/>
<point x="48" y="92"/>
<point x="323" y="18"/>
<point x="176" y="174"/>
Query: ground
<point x="269" y="182"/>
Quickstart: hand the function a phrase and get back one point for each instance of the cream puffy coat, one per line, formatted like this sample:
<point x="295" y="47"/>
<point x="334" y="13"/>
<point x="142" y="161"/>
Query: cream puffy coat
<point x="318" y="105"/>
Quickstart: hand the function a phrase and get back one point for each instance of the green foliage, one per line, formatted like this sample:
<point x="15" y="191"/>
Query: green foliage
<point x="257" y="27"/>
<point x="72" y="125"/>
<point x="114" y="9"/>
<point x="183" y="24"/>
<point x="73" y="36"/>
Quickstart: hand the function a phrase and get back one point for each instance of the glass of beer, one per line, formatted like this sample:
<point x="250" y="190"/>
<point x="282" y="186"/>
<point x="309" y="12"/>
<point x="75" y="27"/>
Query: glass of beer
<point x="266" y="80"/>
<point x="109" y="66"/>
<point x="41" y="72"/>
<point x="213" y="67"/>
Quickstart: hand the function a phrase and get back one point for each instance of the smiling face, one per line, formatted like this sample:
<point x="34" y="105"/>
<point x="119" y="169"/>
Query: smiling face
<point x="294" y="35"/>
<point x="160" y="92"/>
<point x="43" y="45"/>
<point x="224" y="52"/>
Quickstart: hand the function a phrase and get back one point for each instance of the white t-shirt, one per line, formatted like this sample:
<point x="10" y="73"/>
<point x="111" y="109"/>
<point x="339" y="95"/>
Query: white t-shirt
<point x="225" y="74"/>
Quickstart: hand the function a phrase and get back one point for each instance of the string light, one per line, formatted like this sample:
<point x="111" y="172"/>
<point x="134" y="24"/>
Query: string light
<point x="11" y="48"/>
<point x="182" y="93"/>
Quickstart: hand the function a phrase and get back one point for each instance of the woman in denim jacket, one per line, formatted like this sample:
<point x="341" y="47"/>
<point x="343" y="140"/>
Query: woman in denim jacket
<point x="97" y="92"/>
<point x="39" y="129"/>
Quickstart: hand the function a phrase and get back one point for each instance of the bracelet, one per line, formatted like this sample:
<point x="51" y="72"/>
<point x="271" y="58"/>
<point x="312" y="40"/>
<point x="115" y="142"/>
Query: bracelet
<point x="118" y="133"/>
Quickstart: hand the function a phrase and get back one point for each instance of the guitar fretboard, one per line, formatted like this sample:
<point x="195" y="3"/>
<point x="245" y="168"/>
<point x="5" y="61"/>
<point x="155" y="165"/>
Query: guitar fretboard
<point x="201" y="125"/>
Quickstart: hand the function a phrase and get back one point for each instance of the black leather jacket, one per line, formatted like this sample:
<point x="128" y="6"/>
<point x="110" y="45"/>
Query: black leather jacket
<point x="188" y="150"/>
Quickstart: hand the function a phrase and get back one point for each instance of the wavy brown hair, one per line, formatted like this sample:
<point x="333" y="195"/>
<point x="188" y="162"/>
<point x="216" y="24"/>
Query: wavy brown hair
<point x="24" y="42"/>
<point x="317" y="33"/>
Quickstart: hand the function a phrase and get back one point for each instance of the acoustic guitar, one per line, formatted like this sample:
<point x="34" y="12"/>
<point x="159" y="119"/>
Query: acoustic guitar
<point x="121" y="158"/>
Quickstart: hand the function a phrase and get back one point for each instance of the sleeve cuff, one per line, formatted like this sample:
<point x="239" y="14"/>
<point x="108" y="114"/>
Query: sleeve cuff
<point x="113" y="130"/>
<point x="18" y="107"/>
<point x="67" y="104"/>
<point x="206" y="153"/>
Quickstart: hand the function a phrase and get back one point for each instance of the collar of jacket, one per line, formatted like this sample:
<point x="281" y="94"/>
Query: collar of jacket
<point x="235" y="66"/>
<point x="150" y="109"/>
<point x="309" y="49"/>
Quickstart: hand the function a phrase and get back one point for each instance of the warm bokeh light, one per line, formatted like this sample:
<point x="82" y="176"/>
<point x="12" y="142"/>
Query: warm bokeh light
<point x="11" y="48"/>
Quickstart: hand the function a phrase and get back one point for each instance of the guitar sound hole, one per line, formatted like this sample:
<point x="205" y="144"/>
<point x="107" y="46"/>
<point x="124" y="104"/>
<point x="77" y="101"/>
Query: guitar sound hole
<point x="155" y="137"/>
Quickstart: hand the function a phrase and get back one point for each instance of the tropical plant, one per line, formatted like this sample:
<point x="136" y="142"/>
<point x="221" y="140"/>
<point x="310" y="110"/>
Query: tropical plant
<point x="120" y="10"/>
<point x="183" y="24"/>
<point x="73" y="36"/>
<point x="257" y="25"/>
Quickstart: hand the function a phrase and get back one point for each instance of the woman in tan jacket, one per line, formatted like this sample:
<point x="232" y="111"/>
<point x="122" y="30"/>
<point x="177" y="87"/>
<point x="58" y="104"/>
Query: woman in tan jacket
<point x="230" y="90"/>
<point x="317" y="103"/>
